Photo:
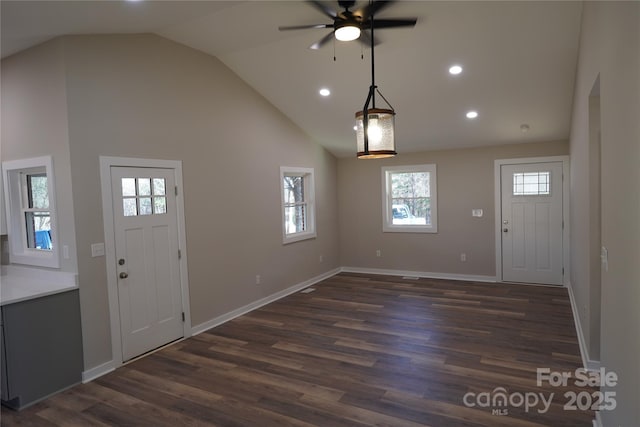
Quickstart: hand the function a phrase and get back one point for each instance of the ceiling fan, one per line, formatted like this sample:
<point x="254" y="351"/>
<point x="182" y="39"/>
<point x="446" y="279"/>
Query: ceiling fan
<point x="350" y="25"/>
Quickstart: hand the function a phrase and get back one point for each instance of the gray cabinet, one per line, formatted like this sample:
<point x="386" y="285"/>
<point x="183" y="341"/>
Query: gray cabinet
<point x="41" y="348"/>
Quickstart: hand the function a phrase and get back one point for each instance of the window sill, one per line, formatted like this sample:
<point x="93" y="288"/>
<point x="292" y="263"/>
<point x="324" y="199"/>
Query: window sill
<point x="408" y="229"/>
<point x="298" y="238"/>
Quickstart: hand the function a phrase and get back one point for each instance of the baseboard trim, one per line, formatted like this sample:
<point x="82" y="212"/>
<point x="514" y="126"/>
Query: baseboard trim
<point x="592" y="365"/>
<point x="98" y="371"/>
<point x="598" y="421"/>
<point x="422" y="274"/>
<point x="259" y="303"/>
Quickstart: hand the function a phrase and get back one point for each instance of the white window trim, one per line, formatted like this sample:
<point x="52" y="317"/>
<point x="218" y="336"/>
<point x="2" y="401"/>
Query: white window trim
<point x="310" y="233"/>
<point x="387" y="218"/>
<point x="19" y="253"/>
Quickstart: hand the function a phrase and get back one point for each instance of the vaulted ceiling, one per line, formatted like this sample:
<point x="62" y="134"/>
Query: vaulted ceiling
<point x="518" y="58"/>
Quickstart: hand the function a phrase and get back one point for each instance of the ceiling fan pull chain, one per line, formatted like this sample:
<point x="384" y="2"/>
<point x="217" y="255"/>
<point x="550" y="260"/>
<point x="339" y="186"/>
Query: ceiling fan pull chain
<point x="334" y="49"/>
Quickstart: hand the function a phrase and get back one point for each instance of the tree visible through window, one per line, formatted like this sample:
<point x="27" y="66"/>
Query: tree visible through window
<point x="410" y="198"/>
<point x="36" y="211"/>
<point x="297" y="204"/>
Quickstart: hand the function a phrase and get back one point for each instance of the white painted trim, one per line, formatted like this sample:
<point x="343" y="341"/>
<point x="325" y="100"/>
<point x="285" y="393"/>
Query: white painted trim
<point x="592" y="365"/>
<point x="19" y="253"/>
<point x="109" y="239"/>
<point x="423" y="274"/>
<point x="598" y="421"/>
<point x="387" y="220"/>
<point x="310" y="199"/>
<point x="261" y="302"/>
<point x="98" y="371"/>
<point x="498" y="163"/>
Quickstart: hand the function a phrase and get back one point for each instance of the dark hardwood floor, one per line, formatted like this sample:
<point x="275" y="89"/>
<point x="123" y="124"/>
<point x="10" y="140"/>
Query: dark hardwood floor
<point x="360" y="350"/>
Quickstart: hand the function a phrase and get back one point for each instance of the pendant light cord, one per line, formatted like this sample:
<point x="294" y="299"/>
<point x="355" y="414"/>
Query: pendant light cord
<point x="373" y="68"/>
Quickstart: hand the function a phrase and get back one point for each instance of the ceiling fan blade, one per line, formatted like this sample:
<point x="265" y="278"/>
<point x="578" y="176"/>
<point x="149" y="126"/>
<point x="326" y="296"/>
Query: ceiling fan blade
<point x="365" y="39"/>
<point x="304" y="27"/>
<point x="390" y="23"/>
<point x="324" y="8"/>
<point x="317" y="45"/>
<point x="372" y="9"/>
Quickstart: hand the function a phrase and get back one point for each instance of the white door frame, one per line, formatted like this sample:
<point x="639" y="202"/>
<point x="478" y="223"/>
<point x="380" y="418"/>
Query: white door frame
<point x="109" y="240"/>
<point x="565" y="209"/>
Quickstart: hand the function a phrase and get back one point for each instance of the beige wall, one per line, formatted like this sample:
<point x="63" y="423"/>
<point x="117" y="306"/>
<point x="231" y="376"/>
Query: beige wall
<point x="465" y="180"/>
<point x="144" y="96"/>
<point x="34" y="123"/>
<point x="609" y="48"/>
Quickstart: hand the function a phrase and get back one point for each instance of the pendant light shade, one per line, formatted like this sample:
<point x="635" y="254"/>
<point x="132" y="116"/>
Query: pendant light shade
<point x="380" y="134"/>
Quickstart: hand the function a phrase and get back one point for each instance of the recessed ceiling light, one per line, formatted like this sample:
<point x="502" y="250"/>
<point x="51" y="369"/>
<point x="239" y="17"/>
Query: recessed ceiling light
<point x="524" y="128"/>
<point x="472" y="114"/>
<point x="455" y="69"/>
<point x="325" y="92"/>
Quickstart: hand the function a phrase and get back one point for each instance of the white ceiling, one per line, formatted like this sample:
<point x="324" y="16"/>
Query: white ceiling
<point x="519" y="61"/>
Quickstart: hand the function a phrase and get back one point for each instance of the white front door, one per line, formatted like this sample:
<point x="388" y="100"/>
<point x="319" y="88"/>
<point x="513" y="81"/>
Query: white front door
<point x="146" y="249"/>
<point x="531" y="223"/>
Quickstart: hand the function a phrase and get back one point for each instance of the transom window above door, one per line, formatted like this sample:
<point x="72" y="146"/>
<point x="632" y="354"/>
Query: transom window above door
<point x="144" y="196"/>
<point x="531" y="183"/>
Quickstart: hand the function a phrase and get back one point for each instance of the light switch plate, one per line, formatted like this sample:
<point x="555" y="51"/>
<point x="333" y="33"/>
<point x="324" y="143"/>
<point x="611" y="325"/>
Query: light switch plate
<point x="476" y="212"/>
<point x="97" y="249"/>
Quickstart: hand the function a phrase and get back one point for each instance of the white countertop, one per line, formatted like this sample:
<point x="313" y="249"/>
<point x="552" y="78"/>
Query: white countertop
<point x="24" y="283"/>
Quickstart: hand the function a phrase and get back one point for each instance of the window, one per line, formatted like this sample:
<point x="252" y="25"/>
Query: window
<point x="30" y="212"/>
<point x="298" y="204"/>
<point x="531" y="184"/>
<point x="143" y="196"/>
<point x="409" y="199"/>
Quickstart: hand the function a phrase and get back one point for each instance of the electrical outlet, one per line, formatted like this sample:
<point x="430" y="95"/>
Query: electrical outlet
<point x="378" y="253"/>
<point x="463" y="257"/>
<point x="257" y="279"/>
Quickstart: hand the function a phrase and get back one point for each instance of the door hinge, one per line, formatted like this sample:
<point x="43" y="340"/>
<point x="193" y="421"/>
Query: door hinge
<point x="176" y="189"/>
<point x="563" y="271"/>
<point x="183" y="318"/>
<point x="179" y="254"/>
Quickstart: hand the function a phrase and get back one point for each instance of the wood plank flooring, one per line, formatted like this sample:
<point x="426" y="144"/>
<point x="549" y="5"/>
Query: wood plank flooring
<point x="360" y="350"/>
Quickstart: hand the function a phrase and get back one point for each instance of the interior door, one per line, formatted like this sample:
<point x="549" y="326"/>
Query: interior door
<point x="146" y="244"/>
<point x="531" y="222"/>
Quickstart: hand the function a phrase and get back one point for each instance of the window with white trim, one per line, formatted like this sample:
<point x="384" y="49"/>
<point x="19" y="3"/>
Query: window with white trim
<point x="30" y="212"/>
<point x="298" y="204"/>
<point x="409" y="199"/>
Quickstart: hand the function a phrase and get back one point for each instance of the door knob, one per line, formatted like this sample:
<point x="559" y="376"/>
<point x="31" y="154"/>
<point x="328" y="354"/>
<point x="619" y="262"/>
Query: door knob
<point x="505" y="229"/>
<point x="123" y="275"/>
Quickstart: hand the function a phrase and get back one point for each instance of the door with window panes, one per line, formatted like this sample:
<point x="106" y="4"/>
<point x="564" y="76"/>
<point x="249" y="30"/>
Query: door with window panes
<point x="531" y="223"/>
<point x="146" y="244"/>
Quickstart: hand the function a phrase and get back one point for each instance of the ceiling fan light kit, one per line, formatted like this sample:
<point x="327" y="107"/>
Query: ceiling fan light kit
<point x="348" y="25"/>
<point x="347" y="33"/>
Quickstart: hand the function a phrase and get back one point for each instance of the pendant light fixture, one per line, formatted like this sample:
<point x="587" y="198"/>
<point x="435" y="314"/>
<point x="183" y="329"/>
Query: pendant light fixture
<point x="375" y="127"/>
